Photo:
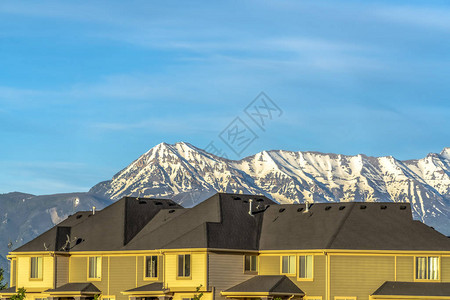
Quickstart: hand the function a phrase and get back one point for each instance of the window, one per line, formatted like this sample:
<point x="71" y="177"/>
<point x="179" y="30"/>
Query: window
<point x="251" y="263"/>
<point x="36" y="268"/>
<point x="95" y="267"/>
<point x="184" y="265"/>
<point x="288" y="264"/>
<point x="427" y="267"/>
<point x="151" y="266"/>
<point x="305" y="266"/>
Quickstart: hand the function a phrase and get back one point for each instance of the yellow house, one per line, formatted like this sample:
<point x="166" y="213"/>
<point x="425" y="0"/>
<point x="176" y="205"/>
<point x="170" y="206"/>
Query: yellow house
<point x="236" y="247"/>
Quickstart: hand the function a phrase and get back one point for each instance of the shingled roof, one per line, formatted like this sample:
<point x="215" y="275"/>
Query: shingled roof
<point x="109" y="229"/>
<point x="359" y="226"/>
<point x="429" y="289"/>
<point x="75" y="287"/>
<point x="223" y="222"/>
<point x="152" y="287"/>
<point x="268" y="284"/>
<point x="10" y="290"/>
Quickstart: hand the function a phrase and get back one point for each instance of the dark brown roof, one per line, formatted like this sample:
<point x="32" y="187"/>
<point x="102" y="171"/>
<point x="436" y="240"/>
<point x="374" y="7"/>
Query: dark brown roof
<point x="223" y="222"/>
<point x="152" y="287"/>
<point x="272" y="284"/>
<point x="10" y="290"/>
<point x="76" y="287"/>
<point x="430" y="289"/>
<point x="109" y="229"/>
<point x="361" y="226"/>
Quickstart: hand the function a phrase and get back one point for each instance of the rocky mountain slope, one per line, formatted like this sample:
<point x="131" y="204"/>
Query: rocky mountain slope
<point x="189" y="174"/>
<point x="24" y="216"/>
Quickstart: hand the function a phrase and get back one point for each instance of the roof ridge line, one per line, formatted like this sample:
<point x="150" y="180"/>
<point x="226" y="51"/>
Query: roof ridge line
<point x="339" y="227"/>
<point x="278" y="283"/>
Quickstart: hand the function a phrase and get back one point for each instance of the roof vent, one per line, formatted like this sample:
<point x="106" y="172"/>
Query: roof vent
<point x="93" y="210"/>
<point x="250" y="208"/>
<point x="158" y="203"/>
<point x="307" y="206"/>
<point x="403" y="207"/>
<point x="341" y="207"/>
<point x="281" y="210"/>
<point x="171" y="211"/>
<point x="299" y="209"/>
<point x="327" y="207"/>
<point x="363" y="207"/>
<point x="236" y="198"/>
<point x="79" y="216"/>
<point x="383" y="206"/>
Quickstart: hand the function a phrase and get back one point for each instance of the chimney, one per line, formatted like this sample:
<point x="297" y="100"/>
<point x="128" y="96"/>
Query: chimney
<point x="250" y="207"/>
<point x="93" y="210"/>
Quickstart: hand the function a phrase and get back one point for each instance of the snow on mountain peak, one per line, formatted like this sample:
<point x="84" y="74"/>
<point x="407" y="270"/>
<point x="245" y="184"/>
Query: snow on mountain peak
<point x="187" y="173"/>
<point x="446" y="153"/>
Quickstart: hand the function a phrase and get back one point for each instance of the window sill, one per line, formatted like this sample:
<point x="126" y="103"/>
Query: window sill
<point x="94" y="279"/>
<point x="305" y="279"/>
<point x="427" y="280"/>
<point x="151" y="278"/>
<point x="251" y="272"/>
<point x="36" y="279"/>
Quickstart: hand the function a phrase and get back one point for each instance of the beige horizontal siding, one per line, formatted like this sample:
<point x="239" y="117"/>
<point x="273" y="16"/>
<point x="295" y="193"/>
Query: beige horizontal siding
<point x="269" y="265"/>
<point x="359" y="276"/>
<point x="225" y="271"/>
<point x="445" y="269"/>
<point x="62" y="270"/>
<point x="122" y="271"/>
<point x="405" y="268"/>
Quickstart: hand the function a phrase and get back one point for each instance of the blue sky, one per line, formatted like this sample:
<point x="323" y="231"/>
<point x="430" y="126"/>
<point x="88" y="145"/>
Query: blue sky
<point x="85" y="88"/>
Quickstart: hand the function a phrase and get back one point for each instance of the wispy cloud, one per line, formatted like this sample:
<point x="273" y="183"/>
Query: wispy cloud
<point x="418" y="16"/>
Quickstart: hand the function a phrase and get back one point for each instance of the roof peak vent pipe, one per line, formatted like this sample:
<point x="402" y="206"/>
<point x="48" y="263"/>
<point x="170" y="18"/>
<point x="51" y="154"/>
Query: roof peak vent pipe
<point x="306" y="207"/>
<point x="250" y="207"/>
<point x="93" y="210"/>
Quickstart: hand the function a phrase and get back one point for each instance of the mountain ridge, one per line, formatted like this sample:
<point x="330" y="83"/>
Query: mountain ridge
<point x="189" y="174"/>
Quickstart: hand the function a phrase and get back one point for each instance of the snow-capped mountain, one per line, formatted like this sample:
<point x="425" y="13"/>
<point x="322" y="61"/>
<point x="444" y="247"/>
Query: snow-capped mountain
<point x="189" y="174"/>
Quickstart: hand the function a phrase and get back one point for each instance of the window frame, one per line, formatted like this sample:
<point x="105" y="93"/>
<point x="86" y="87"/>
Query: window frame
<point x="345" y="297"/>
<point x="99" y="278"/>
<point x="439" y="264"/>
<point x="312" y="297"/>
<point x="157" y="268"/>
<point x="256" y="264"/>
<point x="312" y="268"/>
<point x="184" y="265"/>
<point x="41" y="267"/>
<point x="295" y="265"/>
